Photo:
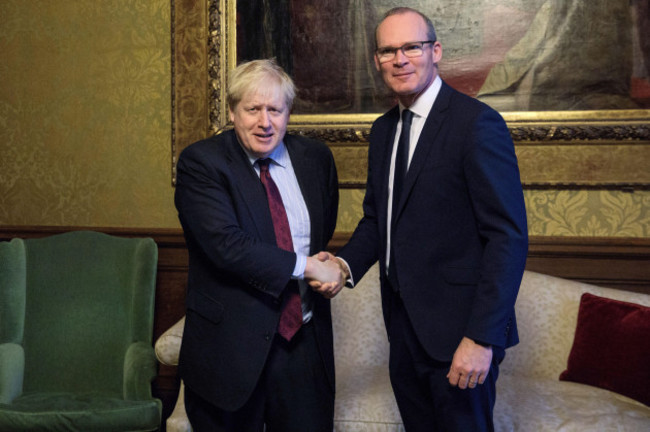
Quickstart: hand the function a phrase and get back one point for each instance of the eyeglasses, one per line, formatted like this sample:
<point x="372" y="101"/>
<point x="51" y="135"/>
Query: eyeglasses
<point x="410" y="50"/>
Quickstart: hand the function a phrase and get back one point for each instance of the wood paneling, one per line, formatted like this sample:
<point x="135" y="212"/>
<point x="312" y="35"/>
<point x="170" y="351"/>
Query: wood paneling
<point x="622" y="263"/>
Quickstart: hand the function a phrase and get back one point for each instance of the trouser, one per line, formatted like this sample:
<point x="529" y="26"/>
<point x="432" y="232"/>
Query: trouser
<point x="426" y="400"/>
<point x="292" y="395"/>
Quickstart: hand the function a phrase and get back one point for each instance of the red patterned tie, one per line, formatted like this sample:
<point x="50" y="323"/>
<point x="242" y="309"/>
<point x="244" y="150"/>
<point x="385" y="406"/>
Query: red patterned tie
<point x="291" y="316"/>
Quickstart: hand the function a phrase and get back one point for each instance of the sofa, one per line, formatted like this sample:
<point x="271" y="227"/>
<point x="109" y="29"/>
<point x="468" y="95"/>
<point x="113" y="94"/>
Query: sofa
<point x="530" y="395"/>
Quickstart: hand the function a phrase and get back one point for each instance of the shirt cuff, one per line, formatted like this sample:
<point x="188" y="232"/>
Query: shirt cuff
<point x="483" y="344"/>
<point x="299" y="269"/>
<point x="350" y="281"/>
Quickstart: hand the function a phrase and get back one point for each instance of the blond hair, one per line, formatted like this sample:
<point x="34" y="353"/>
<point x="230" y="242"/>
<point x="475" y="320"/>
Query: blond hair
<point x="256" y="76"/>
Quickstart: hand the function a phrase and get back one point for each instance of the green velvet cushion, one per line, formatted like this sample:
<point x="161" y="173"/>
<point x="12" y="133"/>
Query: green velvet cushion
<point x="78" y="412"/>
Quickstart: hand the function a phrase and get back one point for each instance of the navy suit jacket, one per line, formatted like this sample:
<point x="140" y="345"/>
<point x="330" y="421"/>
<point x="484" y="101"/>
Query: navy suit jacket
<point x="460" y="236"/>
<point x="237" y="274"/>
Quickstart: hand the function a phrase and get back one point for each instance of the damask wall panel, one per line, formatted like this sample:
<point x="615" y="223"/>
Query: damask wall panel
<point x="558" y="213"/>
<point x="588" y="213"/>
<point x="85" y="113"/>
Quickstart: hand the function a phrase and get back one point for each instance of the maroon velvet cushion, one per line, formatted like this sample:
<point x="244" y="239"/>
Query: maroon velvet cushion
<point x="611" y="348"/>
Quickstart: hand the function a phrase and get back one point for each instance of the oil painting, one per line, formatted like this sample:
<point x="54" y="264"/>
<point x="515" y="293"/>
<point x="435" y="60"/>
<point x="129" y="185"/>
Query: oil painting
<point x="516" y="55"/>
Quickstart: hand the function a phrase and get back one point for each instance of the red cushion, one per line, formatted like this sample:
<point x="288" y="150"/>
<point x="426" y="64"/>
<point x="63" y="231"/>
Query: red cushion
<point x="611" y="348"/>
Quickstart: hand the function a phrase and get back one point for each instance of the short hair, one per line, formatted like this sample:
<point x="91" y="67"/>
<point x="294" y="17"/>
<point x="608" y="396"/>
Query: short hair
<point x="262" y="75"/>
<point x="431" y="31"/>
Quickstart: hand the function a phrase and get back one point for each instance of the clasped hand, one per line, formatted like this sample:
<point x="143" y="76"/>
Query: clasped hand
<point x="325" y="274"/>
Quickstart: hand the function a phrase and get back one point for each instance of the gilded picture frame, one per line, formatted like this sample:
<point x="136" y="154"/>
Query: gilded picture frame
<point x="557" y="149"/>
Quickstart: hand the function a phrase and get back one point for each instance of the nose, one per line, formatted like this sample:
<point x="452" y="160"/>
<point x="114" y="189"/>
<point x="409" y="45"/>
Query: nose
<point x="264" y="119"/>
<point x="400" y="58"/>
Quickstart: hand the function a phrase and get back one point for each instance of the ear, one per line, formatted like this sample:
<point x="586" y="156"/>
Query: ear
<point x="232" y="115"/>
<point x="437" y="52"/>
<point x="377" y="65"/>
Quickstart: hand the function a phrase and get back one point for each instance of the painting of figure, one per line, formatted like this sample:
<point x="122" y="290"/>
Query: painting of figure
<point x="516" y="55"/>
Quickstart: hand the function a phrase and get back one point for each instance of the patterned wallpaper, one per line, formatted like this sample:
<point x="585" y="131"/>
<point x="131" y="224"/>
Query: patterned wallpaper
<point x="85" y="127"/>
<point x="590" y="213"/>
<point x="85" y="113"/>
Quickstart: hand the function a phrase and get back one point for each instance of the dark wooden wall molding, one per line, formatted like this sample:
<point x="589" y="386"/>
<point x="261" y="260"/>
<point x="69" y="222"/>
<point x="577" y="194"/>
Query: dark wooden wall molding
<point x="622" y="263"/>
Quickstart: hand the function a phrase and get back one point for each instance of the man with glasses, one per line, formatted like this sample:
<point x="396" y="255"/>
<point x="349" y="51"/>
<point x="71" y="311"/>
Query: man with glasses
<point x="444" y="214"/>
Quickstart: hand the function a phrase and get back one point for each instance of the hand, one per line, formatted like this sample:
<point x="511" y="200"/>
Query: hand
<point x="324" y="276"/>
<point x="326" y="256"/>
<point x="470" y="365"/>
<point x="320" y="256"/>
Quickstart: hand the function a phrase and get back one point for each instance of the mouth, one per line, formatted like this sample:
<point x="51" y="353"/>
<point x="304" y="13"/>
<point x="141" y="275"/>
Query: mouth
<point x="264" y="136"/>
<point x="402" y="75"/>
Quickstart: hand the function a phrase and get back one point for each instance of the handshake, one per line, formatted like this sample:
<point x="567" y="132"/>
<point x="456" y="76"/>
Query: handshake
<point x="326" y="274"/>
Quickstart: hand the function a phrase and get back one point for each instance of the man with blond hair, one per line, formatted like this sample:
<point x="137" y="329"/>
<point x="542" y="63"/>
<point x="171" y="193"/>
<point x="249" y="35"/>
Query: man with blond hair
<point x="255" y="203"/>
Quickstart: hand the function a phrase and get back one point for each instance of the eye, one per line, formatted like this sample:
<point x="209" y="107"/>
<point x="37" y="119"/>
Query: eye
<point x="412" y="47"/>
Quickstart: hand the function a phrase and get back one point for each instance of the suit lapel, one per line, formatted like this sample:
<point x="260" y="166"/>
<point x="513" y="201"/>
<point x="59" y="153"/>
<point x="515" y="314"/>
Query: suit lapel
<point x="386" y="150"/>
<point x="250" y="188"/>
<point x="426" y="143"/>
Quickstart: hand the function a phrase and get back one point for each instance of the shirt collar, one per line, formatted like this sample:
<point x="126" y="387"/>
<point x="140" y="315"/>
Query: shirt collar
<point x="423" y="104"/>
<point x="279" y="156"/>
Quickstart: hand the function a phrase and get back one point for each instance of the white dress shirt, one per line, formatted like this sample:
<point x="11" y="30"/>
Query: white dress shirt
<point x="283" y="175"/>
<point x="420" y="108"/>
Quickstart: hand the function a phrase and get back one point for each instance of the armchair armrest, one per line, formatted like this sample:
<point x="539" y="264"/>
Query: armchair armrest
<point x="168" y="345"/>
<point x="139" y="371"/>
<point x="12" y="371"/>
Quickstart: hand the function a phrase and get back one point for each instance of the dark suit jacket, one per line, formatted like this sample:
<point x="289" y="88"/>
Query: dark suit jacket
<point x="460" y="235"/>
<point x="237" y="274"/>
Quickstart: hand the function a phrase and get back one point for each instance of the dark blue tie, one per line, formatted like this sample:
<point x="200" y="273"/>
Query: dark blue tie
<point x="401" y="159"/>
<point x="401" y="166"/>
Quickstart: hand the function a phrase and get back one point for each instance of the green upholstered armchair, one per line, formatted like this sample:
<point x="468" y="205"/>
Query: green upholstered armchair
<point x="76" y="328"/>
